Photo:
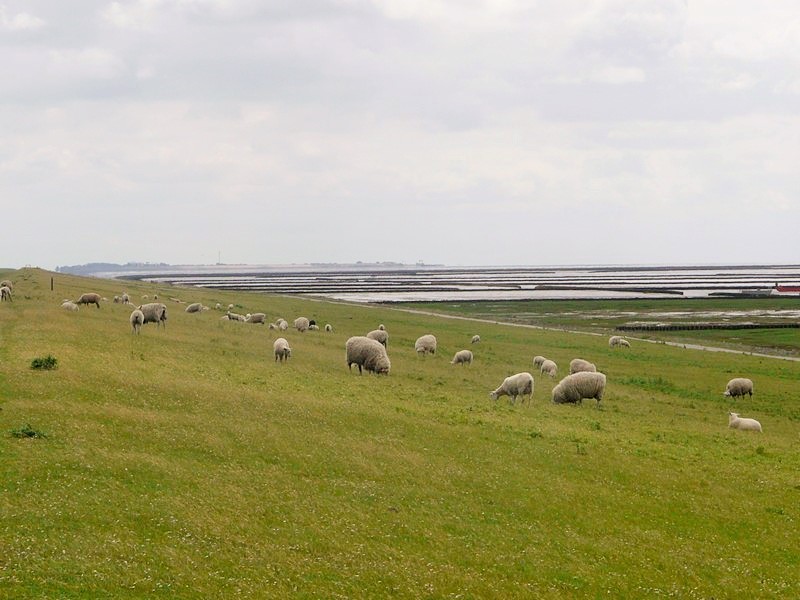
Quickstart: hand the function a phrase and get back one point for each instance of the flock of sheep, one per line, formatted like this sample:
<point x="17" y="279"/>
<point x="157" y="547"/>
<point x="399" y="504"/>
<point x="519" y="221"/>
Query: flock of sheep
<point x="369" y="352"/>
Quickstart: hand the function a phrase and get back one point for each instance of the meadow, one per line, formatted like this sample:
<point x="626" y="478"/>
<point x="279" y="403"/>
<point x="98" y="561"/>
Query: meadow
<point x="186" y="463"/>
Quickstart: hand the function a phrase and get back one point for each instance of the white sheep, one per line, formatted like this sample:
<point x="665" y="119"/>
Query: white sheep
<point x="379" y="335"/>
<point x="90" y="298"/>
<point x="382" y="327"/>
<point x="538" y="360"/>
<point x="125" y="298"/>
<point x="475" y="339"/>
<point x="281" y="349"/>
<point x="578" y="365"/>
<point x="737" y="422"/>
<point x="7" y="283"/>
<point x="367" y="353"/>
<point x="739" y="386"/>
<point x="313" y="327"/>
<point x="425" y="343"/>
<point x="576" y="387"/>
<point x="137" y="320"/>
<point x="5" y="294"/>
<point x="218" y="306"/>
<point x="617" y="340"/>
<point x="301" y="324"/>
<point x="194" y="307"/>
<point x="236" y="317"/>
<point x="462" y="357"/>
<point x="69" y="305"/>
<point x="549" y="367"/>
<point x="520" y="384"/>
<point x="230" y="307"/>
<point x="259" y="318"/>
<point x="328" y="327"/>
<point x="282" y="324"/>
<point x="117" y="299"/>
<point x="154" y="312"/>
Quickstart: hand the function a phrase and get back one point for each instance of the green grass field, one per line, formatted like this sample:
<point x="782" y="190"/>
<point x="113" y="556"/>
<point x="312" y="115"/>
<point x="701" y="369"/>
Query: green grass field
<point x="186" y="463"/>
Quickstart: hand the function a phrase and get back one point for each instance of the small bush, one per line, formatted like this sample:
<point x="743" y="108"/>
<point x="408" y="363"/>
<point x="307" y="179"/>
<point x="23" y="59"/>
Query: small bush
<point x="44" y="362"/>
<point x="26" y="431"/>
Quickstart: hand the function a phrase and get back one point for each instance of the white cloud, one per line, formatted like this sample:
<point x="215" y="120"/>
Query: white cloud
<point x="20" y="21"/>
<point x="618" y="75"/>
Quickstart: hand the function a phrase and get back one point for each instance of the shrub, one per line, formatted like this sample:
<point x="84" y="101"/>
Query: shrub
<point x="44" y="362"/>
<point x="26" y="431"/>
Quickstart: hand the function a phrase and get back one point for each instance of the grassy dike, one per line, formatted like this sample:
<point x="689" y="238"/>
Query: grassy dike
<point x="186" y="463"/>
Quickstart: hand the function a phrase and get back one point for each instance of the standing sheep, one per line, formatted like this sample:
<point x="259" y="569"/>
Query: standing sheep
<point x="194" y="307"/>
<point x="367" y="353"/>
<point x="549" y="367"/>
<point x="154" y="312"/>
<point x="520" y="384"/>
<point x="425" y="344"/>
<point x="301" y="324"/>
<point x="137" y="320"/>
<point x="117" y="300"/>
<point x="328" y="327"/>
<point x="5" y="294"/>
<point x="259" y="318"/>
<point x="737" y="422"/>
<point x="281" y="349"/>
<point x="379" y="335"/>
<point x="739" y="386"/>
<point x="576" y="387"/>
<point x="537" y="361"/>
<point x="125" y="298"/>
<point x="475" y="339"/>
<point x="7" y="283"/>
<point x="462" y="357"/>
<point x="578" y="365"/>
<point x="90" y="298"/>
<point x="617" y="340"/>
<point x="382" y="327"/>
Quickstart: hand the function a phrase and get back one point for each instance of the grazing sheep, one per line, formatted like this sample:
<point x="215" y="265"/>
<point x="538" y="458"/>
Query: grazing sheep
<point x="520" y="384"/>
<point x="313" y="327"/>
<point x="218" y="306"/>
<point x="137" y="320"/>
<point x="425" y="344"/>
<point x="259" y="318"/>
<point x="194" y="307"/>
<point x="578" y="365"/>
<point x="328" y="327"/>
<point x="7" y="283"/>
<point x="224" y="318"/>
<point x="739" y="386"/>
<point x="90" y="298"/>
<point x="283" y="325"/>
<point x="301" y="324"/>
<point x="69" y="305"/>
<point x="737" y="422"/>
<point x="236" y="317"/>
<point x="549" y="367"/>
<point x="462" y="357"/>
<point x="576" y="387"/>
<point x="230" y="307"/>
<point x="5" y="294"/>
<point x="382" y="327"/>
<point x="117" y="299"/>
<point x="475" y="339"/>
<point x="155" y="296"/>
<point x="281" y="349"/>
<point x="618" y="340"/>
<point x="154" y="312"/>
<point x="125" y="298"/>
<point x="538" y="360"/>
<point x="379" y="335"/>
<point x="367" y="353"/>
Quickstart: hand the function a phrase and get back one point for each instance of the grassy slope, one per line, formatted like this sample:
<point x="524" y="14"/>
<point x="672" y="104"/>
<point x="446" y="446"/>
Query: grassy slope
<point x="186" y="463"/>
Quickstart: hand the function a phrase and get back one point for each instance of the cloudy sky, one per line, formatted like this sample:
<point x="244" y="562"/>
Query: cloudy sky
<point x="449" y="131"/>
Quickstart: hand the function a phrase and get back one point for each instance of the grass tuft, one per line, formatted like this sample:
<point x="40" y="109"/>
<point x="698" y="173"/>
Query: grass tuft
<point x="45" y="363"/>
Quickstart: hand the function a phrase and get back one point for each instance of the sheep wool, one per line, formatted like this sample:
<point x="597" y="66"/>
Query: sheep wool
<point x="69" y="305"/>
<point x="578" y="386"/>
<point x="281" y="349"/>
<point x="616" y="340"/>
<point x="462" y="357"/>
<point x="520" y="384"/>
<point x="379" y="335"/>
<point x="137" y="320"/>
<point x="259" y="318"/>
<point x="538" y="360"/>
<point x="90" y="298"/>
<point x="368" y="354"/>
<point x="425" y="344"/>
<point x="5" y="294"/>
<point x="549" y="367"/>
<point x="739" y="386"/>
<point x="475" y="339"/>
<point x="328" y="327"/>
<point x="194" y="307"/>
<point x="578" y="365"/>
<point x="301" y="324"/>
<point x="154" y="312"/>
<point x="7" y="283"/>
<point x="737" y="422"/>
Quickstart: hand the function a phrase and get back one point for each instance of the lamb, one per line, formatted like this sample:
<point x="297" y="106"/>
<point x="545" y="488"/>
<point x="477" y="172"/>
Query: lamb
<point x="90" y="298"/>
<point x="462" y="357"/>
<point x="281" y="349"/>
<point x="154" y="312"/>
<point x="260" y="318"/>
<point x="549" y="367"/>
<point x="576" y="387"/>
<point x="236" y="317"/>
<point x="617" y="340"/>
<point x="737" y="422"/>
<point x="367" y="353"/>
<point x="194" y="307"/>
<point x="301" y="324"/>
<point x="379" y="335"/>
<point x="520" y="384"/>
<point x="328" y="328"/>
<point x="538" y="360"/>
<point x="578" y="365"/>
<point x="137" y="320"/>
<point x="5" y="294"/>
<point x="69" y="305"/>
<point x="739" y="386"/>
<point x="475" y="339"/>
<point x="425" y="344"/>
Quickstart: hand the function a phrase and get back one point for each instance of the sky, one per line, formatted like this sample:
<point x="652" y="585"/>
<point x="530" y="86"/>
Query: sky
<point x="469" y="132"/>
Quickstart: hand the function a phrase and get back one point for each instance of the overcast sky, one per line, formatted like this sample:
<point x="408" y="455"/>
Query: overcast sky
<point x="449" y="131"/>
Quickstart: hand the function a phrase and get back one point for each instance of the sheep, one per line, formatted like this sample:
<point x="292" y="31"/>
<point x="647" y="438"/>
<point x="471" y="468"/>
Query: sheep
<point x="5" y="294"/>
<point x="236" y="317"/>
<point x="367" y="353"/>
<point x="137" y="320"/>
<point x="155" y="296"/>
<point x="538" y="360"/>
<point x="313" y="327"/>
<point x="462" y="357"/>
<point x="425" y="344"/>
<point x="737" y="422"/>
<point x="739" y="386"/>
<point x="230" y="307"/>
<point x="379" y="335"/>
<point x="475" y="339"/>
<point x="549" y="367"/>
<point x="154" y="312"/>
<point x="145" y="297"/>
<point x="281" y="349"/>
<point x="520" y="384"/>
<point x="69" y="305"/>
<point x="125" y="298"/>
<point x="617" y="340"/>
<point x="7" y="283"/>
<point x="577" y="386"/>
<point x="194" y="307"/>
<point x="218" y="306"/>
<point x="382" y="327"/>
<point x="260" y="318"/>
<point x="117" y="299"/>
<point x="301" y="324"/>
<point x="90" y="298"/>
<point x="578" y="365"/>
<point x="328" y="328"/>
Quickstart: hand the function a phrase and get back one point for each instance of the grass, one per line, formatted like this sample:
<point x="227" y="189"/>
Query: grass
<point x="44" y="363"/>
<point x="186" y="463"/>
